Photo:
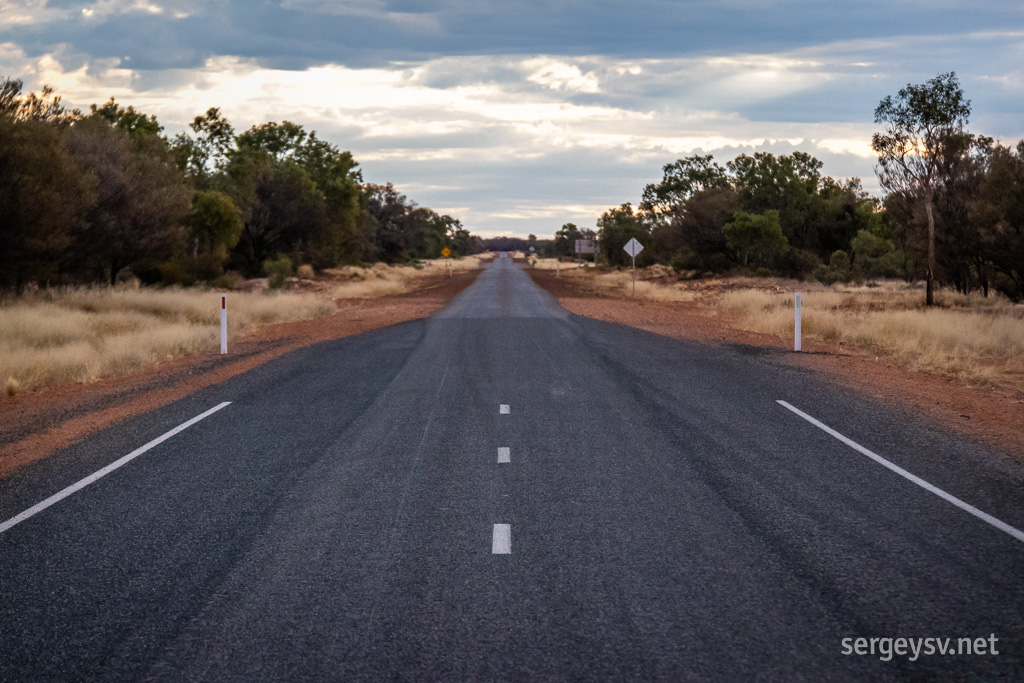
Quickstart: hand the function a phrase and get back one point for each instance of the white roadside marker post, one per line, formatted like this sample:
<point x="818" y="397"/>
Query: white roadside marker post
<point x="223" y="324"/>
<point x="632" y="248"/>
<point x="796" y="325"/>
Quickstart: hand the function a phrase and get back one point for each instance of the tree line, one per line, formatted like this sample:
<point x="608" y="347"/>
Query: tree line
<point x="953" y="212"/>
<point x="98" y="196"/>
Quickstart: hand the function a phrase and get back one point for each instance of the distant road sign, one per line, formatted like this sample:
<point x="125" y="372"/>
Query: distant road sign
<point x="586" y="247"/>
<point x="633" y="247"/>
<point x="446" y="252"/>
<point x="533" y="248"/>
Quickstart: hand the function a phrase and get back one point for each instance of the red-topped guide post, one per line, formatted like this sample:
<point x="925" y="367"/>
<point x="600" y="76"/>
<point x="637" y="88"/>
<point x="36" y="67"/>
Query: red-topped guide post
<point x="223" y="324"/>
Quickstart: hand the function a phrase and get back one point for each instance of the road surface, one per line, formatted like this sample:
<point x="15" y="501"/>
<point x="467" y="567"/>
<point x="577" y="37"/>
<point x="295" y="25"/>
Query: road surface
<point x="505" y="491"/>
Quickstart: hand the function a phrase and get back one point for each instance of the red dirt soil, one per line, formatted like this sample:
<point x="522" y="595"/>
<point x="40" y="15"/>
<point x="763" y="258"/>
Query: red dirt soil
<point x="37" y="422"/>
<point x="994" y="416"/>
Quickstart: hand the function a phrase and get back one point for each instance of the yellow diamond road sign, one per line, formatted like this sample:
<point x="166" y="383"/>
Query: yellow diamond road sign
<point x="446" y="252"/>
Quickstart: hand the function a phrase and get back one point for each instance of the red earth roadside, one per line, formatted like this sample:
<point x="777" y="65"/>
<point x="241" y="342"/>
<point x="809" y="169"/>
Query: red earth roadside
<point x="37" y="422"/>
<point x="994" y="416"/>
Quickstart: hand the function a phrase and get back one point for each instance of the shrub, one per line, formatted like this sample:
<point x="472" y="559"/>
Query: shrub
<point x="839" y="269"/>
<point x="306" y="272"/>
<point x="683" y="260"/>
<point x="277" y="270"/>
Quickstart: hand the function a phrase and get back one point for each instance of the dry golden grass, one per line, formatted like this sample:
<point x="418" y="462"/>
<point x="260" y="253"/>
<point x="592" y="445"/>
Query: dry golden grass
<point x="969" y="336"/>
<point x="353" y="282"/>
<point x="621" y="284"/>
<point x="78" y="335"/>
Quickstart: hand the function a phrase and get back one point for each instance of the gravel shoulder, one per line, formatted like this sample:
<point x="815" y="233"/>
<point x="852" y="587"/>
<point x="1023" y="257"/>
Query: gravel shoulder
<point x="993" y="416"/>
<point x="38" y="422"/>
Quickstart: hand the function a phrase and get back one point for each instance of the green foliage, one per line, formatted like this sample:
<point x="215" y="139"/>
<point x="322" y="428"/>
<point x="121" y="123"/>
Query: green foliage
<point x="839" y="269"/>
<point x="680" y="181"/>
<point x="135" y="125"/>
<point x="683" y="260"/>
<point x="276" y="270"/>
<point x="215" y="224"/>
<point x="875" y="256"/>
<point x="615" y="228"/>
<point x="756" y="239"/>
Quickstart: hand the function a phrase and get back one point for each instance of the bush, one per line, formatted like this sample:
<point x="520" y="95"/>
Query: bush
<point x="683" y="260"/>
<point x="839" y="269"/>
<point x="306" y="272"/>
<point x="799" y="263"/>
<point x="228" y="281"/>
<point x="277" y="270"/>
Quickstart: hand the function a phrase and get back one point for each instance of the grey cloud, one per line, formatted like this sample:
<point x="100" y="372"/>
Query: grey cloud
<point x="308" y="33"/>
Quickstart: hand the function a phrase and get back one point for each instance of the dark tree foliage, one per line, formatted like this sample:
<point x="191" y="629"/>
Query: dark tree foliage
<point x="43" y="198"/>
<point x="141" y="200"/>
<point x="284" y="214"/>
<point x="998" y="212"/>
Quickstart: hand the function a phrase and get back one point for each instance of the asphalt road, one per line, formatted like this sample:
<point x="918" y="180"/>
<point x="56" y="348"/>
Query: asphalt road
<point x="667" y="519"/>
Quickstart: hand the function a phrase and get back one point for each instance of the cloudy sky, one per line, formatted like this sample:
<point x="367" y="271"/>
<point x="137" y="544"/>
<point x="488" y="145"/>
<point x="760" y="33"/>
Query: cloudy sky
<point x="517" y="116"/>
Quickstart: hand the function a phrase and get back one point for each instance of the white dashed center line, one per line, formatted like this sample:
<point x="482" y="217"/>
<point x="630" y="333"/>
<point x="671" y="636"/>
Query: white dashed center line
<point x="501" y="543"/>
<point x="504" y="409"/>
<point x="504" y="454"/>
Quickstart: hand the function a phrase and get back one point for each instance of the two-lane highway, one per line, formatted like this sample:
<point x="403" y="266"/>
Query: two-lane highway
<point x="667" y="519"/>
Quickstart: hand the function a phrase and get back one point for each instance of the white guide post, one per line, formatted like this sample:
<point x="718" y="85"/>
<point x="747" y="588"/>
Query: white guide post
<point x="223" y="324"/>
<point x="796" y="328"/>
<point x="634" y="274"/>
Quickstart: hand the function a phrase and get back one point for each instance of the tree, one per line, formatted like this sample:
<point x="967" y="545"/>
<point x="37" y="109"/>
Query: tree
<point x="565" y="240"/>
<point x="615" y="228"/>
<point x="43" y="197"/>
<point x="681" y="180"/>
<point x="285" y="214"/>
<point x="208" y="151"/>
<point x="756" y="239"/>
<point x="787" y="184"/>
<point x="998" y="213"/>
<point x="215" y="226"/>
<point x="141" y="199"/>
<point x="923" y="125"/>
<point x="135" y="125"/>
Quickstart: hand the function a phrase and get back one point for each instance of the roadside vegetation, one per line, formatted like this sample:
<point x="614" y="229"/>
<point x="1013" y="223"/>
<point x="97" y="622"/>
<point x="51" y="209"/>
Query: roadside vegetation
<point x="105" y="196"/>
<point x="80" y="334"/>
<point x="952" y="215"/>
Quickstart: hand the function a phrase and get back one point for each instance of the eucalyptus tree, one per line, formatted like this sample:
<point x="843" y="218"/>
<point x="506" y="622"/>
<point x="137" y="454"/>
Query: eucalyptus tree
<point x="923" y="126"/>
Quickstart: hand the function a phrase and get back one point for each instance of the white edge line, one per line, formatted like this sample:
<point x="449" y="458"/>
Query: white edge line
<point x="966" y="507"/>
<point x="81" y="484"/>
<point x="501" y="541"/>
<point x="504" y="454"/>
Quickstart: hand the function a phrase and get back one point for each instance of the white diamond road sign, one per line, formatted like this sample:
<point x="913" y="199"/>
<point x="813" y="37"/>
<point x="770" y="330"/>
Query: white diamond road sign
<point x="633" y="247"/>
